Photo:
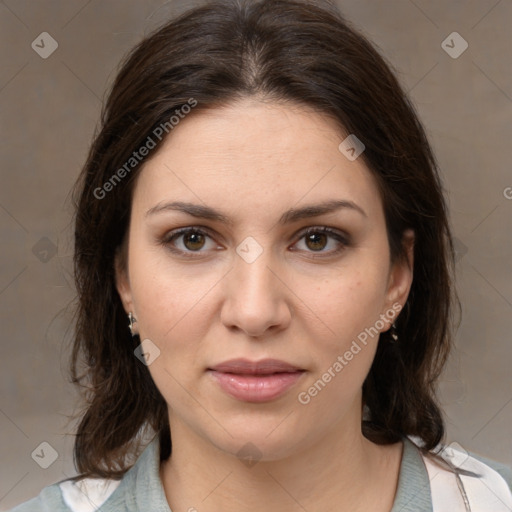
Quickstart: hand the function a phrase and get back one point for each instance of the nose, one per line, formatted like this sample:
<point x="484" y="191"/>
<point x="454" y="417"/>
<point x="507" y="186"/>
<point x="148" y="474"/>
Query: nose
<point x="256" y="298"/>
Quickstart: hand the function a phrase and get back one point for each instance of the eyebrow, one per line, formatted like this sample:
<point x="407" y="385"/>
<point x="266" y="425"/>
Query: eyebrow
<point x="288" y="217"/>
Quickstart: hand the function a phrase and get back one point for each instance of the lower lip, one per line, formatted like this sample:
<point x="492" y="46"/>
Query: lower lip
<point x="256" y="388"/>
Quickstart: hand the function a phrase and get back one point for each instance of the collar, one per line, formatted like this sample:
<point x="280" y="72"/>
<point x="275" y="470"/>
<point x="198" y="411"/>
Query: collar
<point x="142" y="489"/>
<point x="413" y="491"/>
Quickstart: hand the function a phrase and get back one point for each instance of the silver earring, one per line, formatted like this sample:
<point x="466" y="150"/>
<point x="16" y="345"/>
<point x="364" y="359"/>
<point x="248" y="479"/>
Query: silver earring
<point x="132" y="320"/>
<point x="393" y="333"/>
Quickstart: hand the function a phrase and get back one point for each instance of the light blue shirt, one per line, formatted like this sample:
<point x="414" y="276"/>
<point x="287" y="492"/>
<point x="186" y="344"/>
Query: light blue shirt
<point x="141" y="490"/>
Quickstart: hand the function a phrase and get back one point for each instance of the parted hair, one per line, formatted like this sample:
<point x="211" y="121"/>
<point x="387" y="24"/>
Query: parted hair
<point x="288" y="51"/>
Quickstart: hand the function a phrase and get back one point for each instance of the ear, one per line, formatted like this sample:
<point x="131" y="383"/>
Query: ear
<point x="122" y="280"/>
<point x="401" y="276"/>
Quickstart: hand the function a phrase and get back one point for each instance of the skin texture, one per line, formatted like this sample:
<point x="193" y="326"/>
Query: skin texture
<point x="254" y="160"/>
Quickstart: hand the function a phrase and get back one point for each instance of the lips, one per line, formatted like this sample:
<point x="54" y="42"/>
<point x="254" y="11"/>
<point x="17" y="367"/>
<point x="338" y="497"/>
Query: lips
<point x="255" y="381"/>
<point x="263" y="367"/>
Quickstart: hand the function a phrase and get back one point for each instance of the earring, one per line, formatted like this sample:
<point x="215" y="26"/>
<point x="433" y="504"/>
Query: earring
<point x="393" y="333"/>
<point x="132" y="320"/>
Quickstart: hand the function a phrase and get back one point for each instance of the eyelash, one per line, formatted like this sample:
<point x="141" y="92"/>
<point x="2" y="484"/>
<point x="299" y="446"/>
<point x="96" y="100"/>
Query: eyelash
<point x="339" y="237"/>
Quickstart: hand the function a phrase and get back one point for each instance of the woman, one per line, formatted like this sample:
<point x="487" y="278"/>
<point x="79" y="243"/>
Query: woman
<point x="263" y="205"/>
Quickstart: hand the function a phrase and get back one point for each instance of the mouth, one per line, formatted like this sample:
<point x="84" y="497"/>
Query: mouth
<point x="255" y="381"/>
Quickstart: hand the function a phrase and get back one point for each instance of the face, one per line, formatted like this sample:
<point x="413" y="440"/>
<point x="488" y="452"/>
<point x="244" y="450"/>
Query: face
<point x="253" y="238"/>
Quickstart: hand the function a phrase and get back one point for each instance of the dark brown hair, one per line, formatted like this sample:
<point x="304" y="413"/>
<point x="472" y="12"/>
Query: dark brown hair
<point x="290" y="51"/>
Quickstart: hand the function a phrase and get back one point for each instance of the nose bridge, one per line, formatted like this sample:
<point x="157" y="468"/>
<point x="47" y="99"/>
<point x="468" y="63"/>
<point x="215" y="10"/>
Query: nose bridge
<point x="251" y="273"/>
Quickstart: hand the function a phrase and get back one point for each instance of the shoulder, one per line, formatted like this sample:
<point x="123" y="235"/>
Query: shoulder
<point x="456" y="474"/>
<point x="85" y="495"/>
<point x="48" y="500"/>
<point x="502" y="469"/>
<point x="139" y="488"/>
<point x="456" y="455"/>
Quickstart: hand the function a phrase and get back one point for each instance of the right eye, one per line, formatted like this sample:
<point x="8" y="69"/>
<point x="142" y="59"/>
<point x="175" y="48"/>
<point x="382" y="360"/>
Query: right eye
<point x="188" y="241"/>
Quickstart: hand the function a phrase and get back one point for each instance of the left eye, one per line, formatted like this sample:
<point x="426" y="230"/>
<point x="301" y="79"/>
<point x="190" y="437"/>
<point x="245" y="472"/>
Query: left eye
<point x="192" y="240"/>
<point x="318" y="239"/>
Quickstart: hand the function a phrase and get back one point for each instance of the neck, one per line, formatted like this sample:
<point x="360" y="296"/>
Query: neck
<point x="342" y="471"/>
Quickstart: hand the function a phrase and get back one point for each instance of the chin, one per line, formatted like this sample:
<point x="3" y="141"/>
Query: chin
<point x="266" y="440"/>
<point x="258" y="449"/>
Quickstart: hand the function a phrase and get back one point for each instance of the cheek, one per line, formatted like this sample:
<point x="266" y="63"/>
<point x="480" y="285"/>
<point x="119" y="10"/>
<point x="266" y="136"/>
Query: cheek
<point x="175" y="315"/>
<point x="168" y="295"/>
<point x="349" y="303"/>
<point x="344" y="336"/>
<point x="342" y="344"/>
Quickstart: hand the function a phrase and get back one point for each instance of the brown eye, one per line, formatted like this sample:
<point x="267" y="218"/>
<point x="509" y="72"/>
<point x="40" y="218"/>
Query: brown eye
<point x="322" y="241"/>
<point x="316" y="241"/>
<point x="188" y="241"/>
<point x="193" y="240"/>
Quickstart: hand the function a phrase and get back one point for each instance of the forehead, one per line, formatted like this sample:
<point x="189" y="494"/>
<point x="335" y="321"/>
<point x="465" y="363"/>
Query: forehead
<point x="252" y="154"/>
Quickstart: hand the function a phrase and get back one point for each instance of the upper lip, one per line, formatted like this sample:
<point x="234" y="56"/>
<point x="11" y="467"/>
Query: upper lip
<point x="262" y="367"/>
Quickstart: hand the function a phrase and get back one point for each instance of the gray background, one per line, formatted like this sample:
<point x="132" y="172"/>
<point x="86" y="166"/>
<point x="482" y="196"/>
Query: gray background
<point x="50" y="107"/>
